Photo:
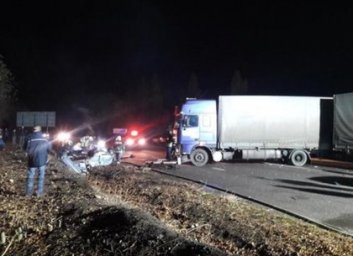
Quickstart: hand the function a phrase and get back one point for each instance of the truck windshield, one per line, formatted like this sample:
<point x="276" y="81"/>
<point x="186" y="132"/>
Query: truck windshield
<point x="190" y="121"/>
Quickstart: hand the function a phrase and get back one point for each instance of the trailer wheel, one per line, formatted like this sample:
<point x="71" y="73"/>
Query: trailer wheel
<point x="299" y="158"/>
<point x="199" y="157"/>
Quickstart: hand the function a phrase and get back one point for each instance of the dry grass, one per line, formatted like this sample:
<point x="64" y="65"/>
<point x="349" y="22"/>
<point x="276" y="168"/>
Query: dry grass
<point x="66" y="220"/>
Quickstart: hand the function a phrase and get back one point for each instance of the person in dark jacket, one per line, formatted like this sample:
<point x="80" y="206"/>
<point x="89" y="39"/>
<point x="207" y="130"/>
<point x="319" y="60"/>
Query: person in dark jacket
<point x="37" y="148"/>
<point x="170" y="145"/>
<point x="2" y="143"/>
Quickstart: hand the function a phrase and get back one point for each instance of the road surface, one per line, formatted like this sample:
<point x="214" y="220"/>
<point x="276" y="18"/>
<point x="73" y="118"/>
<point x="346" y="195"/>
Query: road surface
<point x="319" y="194"/>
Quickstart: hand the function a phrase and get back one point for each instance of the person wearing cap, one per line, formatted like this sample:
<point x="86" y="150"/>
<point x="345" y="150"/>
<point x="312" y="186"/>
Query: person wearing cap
<point x="37" y="148"/>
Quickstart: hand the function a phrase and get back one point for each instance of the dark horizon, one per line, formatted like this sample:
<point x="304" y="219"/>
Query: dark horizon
<point x="61" y="52"/>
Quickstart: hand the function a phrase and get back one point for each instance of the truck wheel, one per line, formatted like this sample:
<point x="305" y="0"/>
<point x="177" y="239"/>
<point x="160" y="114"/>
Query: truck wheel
<point x="199" y="157"/>
<point x="299" y="158"/>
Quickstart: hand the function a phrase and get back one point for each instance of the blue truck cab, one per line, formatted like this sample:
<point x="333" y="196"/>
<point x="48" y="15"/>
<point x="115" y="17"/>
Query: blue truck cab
<point x="198" y="127"/>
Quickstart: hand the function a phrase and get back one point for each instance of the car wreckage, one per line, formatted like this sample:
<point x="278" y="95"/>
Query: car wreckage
<point x="84" y="154"/>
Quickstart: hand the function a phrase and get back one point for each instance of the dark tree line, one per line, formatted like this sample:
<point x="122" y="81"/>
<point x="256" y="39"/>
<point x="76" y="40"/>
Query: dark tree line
<point x="148" y="99"/>
<point x="7" y="94"/>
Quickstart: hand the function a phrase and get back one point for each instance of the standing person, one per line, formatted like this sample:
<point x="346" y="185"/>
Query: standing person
<point x="37" y="148"/>
<point x="170" y="144"/>
<point x="14" y="137"/>
<point x="22" y="136"/>
<point x="6" y="135"/>
<point x="119" y="148"/>
<point x="2" y="143"/>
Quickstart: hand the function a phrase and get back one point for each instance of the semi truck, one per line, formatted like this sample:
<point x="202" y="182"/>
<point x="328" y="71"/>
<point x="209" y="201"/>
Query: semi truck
<point x="255" y="127"/>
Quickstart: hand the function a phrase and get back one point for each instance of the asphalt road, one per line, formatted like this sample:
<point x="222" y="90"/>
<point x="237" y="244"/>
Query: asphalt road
<point x="319" y="194"/>
<point x="141" y="155"/>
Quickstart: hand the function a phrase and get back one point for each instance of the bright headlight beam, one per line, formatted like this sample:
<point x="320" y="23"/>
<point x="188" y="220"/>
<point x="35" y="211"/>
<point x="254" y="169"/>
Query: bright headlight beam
<point x="141" y="141"/>
<point x="129" y="142"/>
<point x="63" y="136"/>
<point x="101" y="144"/>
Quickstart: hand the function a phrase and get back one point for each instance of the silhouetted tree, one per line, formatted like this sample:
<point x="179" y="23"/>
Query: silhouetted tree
<point x="239" y="84"/>
<point x="193" y="90"/>
<point x="7" y="92"/>
<point x="156" y="97"/>
<point x="141" y="99"/>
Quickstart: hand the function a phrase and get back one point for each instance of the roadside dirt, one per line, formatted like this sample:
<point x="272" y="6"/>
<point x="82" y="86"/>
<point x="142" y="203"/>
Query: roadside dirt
<point x="124" y="210"/>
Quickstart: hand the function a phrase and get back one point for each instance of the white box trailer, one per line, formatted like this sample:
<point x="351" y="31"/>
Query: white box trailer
<point x="274" y="127"/>
<point x="252" y="122"/>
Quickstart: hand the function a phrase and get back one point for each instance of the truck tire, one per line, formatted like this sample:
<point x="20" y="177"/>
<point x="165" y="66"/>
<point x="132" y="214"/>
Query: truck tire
<point x="199" y="157"/>
<point x="298" y="158"/>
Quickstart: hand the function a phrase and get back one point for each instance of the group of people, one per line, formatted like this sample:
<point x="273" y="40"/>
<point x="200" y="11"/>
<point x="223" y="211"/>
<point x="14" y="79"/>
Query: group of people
<point x="16" y="136"/>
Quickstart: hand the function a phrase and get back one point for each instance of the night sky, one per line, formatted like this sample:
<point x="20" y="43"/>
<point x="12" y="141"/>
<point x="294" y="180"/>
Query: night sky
<point x="60" y="50"/>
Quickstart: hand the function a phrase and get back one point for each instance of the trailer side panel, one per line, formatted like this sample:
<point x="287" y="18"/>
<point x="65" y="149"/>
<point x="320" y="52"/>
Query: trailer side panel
<point x="250" y="122"/>
<point x="343" y="121"/>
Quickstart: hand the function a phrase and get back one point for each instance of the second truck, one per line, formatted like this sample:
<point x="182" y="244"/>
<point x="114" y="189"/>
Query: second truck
<point x="255" y="127"/>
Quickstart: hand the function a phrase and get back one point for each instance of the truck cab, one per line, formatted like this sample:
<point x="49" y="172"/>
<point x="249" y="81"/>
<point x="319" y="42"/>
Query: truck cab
<point x="198" y="126"/>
